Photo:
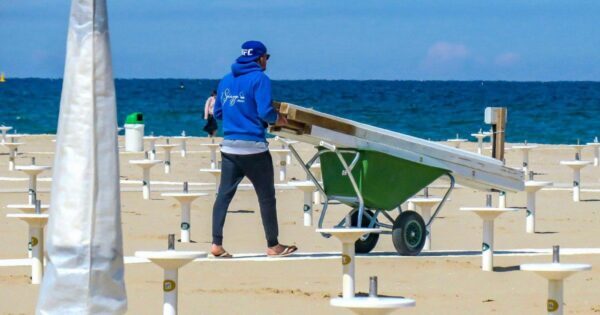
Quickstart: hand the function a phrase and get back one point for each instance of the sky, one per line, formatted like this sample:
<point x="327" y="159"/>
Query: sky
<point x="516" y="40"/>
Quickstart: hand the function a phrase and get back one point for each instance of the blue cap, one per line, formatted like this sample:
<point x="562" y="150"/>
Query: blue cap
<point x="251" y="50"/>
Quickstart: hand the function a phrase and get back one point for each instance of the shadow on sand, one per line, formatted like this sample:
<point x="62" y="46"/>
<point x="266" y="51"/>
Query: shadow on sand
<point x="240" y="211"/>
<point x="506" y="269"/>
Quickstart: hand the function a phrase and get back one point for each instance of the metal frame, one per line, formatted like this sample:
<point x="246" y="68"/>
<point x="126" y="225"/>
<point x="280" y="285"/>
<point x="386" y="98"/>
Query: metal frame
<point x="358" y="200"/>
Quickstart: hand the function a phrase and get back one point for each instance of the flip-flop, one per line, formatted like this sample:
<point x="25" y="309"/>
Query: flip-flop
<point x="223" y="255"/>
<point x="286" y="252"/>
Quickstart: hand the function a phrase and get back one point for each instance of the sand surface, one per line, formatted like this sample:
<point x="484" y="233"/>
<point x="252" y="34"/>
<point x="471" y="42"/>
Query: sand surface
<point x="440" y="283"/>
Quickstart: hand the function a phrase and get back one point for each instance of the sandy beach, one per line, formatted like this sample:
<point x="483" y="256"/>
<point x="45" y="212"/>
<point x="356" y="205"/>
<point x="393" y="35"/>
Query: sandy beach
<point x="446" y="280"/>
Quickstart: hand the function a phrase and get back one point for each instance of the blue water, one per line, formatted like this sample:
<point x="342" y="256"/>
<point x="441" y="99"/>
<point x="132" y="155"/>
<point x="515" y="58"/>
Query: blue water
<point x="542" y="112"/>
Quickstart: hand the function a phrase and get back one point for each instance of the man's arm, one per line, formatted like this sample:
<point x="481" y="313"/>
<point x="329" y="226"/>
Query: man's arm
<point x="262" y="95"/>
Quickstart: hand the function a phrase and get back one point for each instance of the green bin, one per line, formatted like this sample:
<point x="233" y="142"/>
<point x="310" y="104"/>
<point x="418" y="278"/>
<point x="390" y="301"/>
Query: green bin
<point x="134" y="132"/>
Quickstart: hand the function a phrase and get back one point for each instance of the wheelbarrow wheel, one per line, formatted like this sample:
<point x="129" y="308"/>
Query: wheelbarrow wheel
<point x="408" y="233"/>
<point x="366" y="243"/>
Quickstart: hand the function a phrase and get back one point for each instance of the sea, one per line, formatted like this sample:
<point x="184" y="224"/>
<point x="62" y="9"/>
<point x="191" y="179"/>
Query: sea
<point x="538" y="112"/>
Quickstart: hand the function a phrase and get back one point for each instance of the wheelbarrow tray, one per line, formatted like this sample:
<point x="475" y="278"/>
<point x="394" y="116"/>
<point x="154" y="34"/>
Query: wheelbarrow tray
<point x="385" y="181"/>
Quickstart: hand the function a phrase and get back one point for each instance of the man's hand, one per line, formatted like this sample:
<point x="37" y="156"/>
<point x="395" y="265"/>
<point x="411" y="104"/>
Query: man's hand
<point x="281" y="120"/>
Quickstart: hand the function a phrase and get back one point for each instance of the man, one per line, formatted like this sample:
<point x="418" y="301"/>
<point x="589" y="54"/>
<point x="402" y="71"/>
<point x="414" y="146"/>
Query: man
<point x="244" y="104"/>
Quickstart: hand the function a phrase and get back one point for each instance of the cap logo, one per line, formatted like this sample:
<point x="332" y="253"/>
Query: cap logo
<point x="247" y="52"/>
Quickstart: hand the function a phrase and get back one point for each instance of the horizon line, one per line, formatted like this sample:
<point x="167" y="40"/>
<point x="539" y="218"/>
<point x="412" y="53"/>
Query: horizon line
<point x="326" y="79"/>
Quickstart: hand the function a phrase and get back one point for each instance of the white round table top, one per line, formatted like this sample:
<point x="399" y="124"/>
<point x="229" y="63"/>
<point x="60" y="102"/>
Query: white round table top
<point x="532" y="185"/>
<point x="348" y="235"/>
<point x="480" y="135"/>
<point x="33" y="168"/>
<point x="487" y="209"/>
<point x="11" y="144"/>
<point x="366" y="303"/>
<point x="184" y="195"/>
<point x="146" y="162"/>
<point x="28" y="215"/>
<point x="170" y="259"/>
<point x="575" y="163"/>
<point x="211" y="170"/>
<point x="524" y="147"/>
<point x="167" y="146"/>
<point x="170" y="254"/>
<point x="301" y="183"/>
<point x="15" y="136"/>
<point x="488" y="213"/>
<point x="423" y="200"/>
<point x="555" y="271"/>
<point x="560" y="267"/>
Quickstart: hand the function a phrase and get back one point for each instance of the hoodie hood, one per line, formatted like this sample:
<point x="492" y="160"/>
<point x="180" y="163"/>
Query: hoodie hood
<point x="238" y="69"/>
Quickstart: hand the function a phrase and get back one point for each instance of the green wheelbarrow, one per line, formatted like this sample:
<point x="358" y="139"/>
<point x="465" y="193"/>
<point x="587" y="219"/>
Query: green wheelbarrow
<point x="374" y="185"/>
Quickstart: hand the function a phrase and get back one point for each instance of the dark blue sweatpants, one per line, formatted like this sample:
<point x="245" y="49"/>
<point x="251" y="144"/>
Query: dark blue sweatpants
<point x="259" y="170"/>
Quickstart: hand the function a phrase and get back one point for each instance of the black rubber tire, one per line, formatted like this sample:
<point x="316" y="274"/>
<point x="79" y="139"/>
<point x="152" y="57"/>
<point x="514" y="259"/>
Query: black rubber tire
<point x="408" y="233"/>
<point x="366" y="245"/>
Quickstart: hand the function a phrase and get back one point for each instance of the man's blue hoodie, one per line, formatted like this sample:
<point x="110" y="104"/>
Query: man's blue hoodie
<point x="244" y="103"/>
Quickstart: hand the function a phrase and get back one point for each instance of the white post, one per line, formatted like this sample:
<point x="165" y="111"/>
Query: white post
<point x="530" y="218"/>
<point x="146" y="183"/>
<point x="316" y="197"/>
<point x="282" y="170"/>
<point x="11" y="159"/>
<point x="348" y="270"/>
<point x="213" y="157"/>
<point x="32" y="187"/>
<point x="152" y="150"/>
<point x="170" y="292"/>
<point x="479" y="145"/>
<point x="37" y="249"/>
<point x="288" y="159"/>
<point x="555" y="297"/>
<point x="426" y="214"/>
<point x="29" y="247"/>
<point x="487" y="254"/>
<point x="308" y="208"/>
<point x="167" y="161"/>
<point x="185" y="222"/>
<point x="576" y="184"/>
<point x="596" y="155"/>
<point x="526" y="161"/>
<point x="410" y="206"/>
<point x="183" y="148"/>
<point x="502" y="200"/>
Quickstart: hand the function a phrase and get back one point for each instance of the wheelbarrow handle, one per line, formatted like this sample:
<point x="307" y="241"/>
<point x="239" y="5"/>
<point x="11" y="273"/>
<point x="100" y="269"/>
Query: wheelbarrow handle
<point x="328" y="146"/>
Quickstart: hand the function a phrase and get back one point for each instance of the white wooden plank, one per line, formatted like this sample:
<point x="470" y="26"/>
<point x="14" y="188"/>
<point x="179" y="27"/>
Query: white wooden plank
<point x="469" y="169"/>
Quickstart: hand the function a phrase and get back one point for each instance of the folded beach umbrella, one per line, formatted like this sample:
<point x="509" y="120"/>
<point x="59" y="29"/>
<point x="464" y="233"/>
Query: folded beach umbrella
<point x="84" y="272"/>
